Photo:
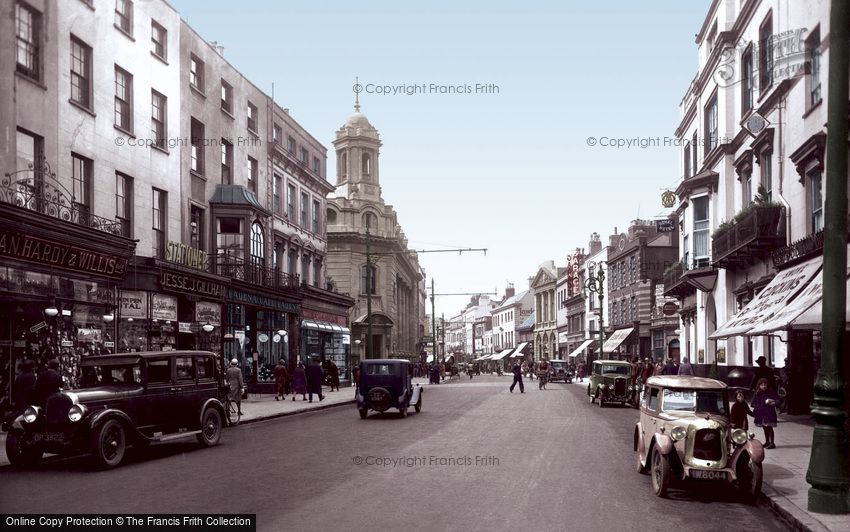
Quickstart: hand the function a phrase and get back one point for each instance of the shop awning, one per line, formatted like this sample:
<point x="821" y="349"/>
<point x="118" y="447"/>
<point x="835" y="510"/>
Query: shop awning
<point x="771" y="300"/>
<point x="616" y="338"/>
<point x="309" y="324"/>
<point x="449" y="357"/>
<point x="501" y="355"/>
<point x="813" y="318"/>
<point x="429" y="359"/>
<point x="518" y="351"/>
<point x="580" y="348"/>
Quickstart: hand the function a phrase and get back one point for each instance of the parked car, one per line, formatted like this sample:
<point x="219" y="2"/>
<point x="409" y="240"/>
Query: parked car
<point x="684" y="433"/>
<point x="559" y="370"/>
<point x="127" y="399"/>
<point x="610" y="382"/>
<point x="385" y="384"/>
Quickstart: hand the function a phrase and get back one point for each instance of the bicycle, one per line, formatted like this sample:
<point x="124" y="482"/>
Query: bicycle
<point x="231" y="411"/>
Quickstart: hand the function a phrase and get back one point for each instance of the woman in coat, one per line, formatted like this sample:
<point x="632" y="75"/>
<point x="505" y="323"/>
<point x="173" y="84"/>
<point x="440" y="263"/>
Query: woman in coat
<point x="234" y="379"/>
<point x="299" y="382"/>
<point x="764" y="411"/>
<point x="333" y="370"/>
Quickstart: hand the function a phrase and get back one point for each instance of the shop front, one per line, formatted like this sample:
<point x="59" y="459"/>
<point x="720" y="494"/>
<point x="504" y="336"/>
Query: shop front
<point x="324" y="329"/>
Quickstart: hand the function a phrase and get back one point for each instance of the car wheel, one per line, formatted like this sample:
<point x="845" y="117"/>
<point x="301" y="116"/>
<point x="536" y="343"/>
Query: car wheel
<point x="418" y="406"/>
<point x="363" y="413"/>
<point x="210" y="428"/>
<point x="109" y="443"/>
<point x="19" y="454"/>
<point x="661" y="475"/>
<point x="749" y="480"/>
<point x="641" y="467"/>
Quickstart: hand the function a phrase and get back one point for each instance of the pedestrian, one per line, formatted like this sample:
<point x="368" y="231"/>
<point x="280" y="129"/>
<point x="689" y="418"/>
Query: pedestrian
<point x="670" y="367"/>
<point x="517" y="371"/>
<point x="740" y="411"/>
<point x="237" y="384"/>
<point x="648" y="369"/>
<point x="23" y="390"/>
<point x="47" y="383"/>
<point x="764" y="411"/>
<point x="763" y="371"/>
<point x="659" y="367"/>
<point x="685" y="368"/>
<point x="299" y="381"/>
<point x="281" y="380"/>
<point x="315" y="375"/>
<point x="581" y="371"/>
<point x="333" y="370"/>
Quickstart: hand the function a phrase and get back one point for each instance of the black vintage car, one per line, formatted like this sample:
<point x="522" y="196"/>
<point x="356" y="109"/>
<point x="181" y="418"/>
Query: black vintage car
<point x="385" y="384"/>
<point x="127" y="399"/>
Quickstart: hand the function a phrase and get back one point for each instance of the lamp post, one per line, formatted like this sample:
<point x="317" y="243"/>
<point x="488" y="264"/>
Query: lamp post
<point x="596" y="285"/>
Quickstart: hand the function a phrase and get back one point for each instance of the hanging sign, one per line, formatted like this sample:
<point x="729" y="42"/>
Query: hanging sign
<point x="164" y="307"/>
<point x="208" y="312"/>
<point x="668" y="199"/>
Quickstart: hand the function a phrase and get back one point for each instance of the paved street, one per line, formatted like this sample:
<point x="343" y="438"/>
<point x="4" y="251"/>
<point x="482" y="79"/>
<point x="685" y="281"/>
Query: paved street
<point x="558" y="463"/>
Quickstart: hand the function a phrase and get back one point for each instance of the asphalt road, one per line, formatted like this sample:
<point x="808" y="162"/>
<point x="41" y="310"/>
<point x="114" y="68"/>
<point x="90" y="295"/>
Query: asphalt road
<point x="476" y="458"/>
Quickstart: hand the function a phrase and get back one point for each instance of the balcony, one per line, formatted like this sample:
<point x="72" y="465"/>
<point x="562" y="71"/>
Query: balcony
<point x="757" y="232"/>
<point x="676" y="283"/>
<point x="236" y="268"/>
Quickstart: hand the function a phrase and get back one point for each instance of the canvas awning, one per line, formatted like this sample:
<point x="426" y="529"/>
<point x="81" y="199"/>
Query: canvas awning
<point x="518" y="351"/>
<point x="580" y="348"/>
<point x="429" y="359"/>
<point x="771" y="300"/>
<point x="813" y="318"/>
<point x="616" y="338"/>
<point x="448" y="357"/>
<point x="501" y="355"/>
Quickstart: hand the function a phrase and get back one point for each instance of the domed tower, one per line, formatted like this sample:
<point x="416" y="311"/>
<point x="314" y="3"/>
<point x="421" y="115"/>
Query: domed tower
<point x="357" y="147"/>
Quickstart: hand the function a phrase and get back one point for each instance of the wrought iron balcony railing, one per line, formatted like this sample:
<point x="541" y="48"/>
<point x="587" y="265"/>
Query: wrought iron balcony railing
<point x="754" y="236"/>
<point x="237" y="268"/>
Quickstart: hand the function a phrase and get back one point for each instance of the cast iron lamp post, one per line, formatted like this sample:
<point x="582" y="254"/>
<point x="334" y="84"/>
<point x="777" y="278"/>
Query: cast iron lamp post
<point x="596" y="284"/>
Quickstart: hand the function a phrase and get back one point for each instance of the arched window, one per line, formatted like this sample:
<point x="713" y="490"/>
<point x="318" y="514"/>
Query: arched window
<point x="342" y="157"/>
<point x="367" y="164"/>
<point x="368" y="279"/>
<point x="369" y="220"/>
<point x="257" y="244"/>
<point x="331" y="214"/>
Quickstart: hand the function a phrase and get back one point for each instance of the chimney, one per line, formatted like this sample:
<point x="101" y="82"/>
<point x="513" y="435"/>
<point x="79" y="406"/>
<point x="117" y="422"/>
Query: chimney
<point x="595" y="243"/>
<point x="510" y="291"/>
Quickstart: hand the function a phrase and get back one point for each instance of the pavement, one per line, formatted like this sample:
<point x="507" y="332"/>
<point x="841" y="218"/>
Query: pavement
<point x="785" y="488"/>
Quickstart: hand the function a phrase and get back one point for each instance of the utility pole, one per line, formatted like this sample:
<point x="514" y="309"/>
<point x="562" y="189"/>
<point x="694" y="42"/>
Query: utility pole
<point x="369" y="287"/>
<point x="596" y="284"/>
<point x="827" y="471"/>
<point x="434" y="321"/>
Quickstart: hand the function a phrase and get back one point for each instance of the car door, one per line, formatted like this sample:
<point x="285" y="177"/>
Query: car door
<point x="158" y="408"/>
<point x="187" y="396"/>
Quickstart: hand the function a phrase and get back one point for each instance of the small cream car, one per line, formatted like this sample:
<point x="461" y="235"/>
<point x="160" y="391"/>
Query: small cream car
<point x="684" y="433"/>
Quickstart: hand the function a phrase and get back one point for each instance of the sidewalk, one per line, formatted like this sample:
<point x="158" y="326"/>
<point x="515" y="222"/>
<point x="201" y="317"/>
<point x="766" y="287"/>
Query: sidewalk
<point x="785" y="488"/>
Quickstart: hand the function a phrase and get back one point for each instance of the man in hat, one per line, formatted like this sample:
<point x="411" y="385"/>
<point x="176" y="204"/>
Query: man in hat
<point x="234" y="378"/>
<point x="763" y="371"/>
<point x="47" y="383"/>
<point x="315" y="376"/>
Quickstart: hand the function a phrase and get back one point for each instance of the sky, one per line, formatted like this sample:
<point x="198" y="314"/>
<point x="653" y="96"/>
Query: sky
<point x="506" y="165"/>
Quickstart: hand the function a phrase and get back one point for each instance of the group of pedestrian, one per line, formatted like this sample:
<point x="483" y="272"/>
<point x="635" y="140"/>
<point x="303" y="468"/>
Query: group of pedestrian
<point x="764" y="404"/>
<point x="305" y="381"/>
<point x="31" y="388"/>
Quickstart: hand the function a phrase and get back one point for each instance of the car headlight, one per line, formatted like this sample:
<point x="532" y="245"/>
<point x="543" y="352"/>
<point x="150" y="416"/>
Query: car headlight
<point x="31" y="414"/>
<point x="739" y="436"/>
<point x="678" y="433"/>
<point x="76" y="413"/>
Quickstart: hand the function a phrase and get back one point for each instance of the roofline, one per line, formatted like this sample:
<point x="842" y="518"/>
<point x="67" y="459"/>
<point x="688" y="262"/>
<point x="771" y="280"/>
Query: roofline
<point x="709" y="16"/>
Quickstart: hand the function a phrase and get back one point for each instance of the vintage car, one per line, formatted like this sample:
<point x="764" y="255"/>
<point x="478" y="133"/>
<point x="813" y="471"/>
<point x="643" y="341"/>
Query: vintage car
<point x="684" y="433"/>
<point x="610" y="382"/>
<point x="559" y="370"/>
<point x="126" y="399"/>
<point x="385" y="384"/>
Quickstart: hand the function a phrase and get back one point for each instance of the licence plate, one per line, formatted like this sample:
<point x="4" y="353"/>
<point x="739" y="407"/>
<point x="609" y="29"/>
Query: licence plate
<point x="48" y="436"/>
<point x="701" y="474"/>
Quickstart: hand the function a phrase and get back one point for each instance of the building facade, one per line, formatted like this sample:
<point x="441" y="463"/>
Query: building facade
<point x="545" y="328"/>
<point x="596" y="314"/>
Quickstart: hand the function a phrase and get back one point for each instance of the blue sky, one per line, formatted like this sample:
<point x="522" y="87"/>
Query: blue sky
<point x="511" y="172"/>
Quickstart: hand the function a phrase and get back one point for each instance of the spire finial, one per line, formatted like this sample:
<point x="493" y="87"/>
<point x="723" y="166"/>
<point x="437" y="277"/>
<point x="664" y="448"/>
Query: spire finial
<point x="357" y="90"/>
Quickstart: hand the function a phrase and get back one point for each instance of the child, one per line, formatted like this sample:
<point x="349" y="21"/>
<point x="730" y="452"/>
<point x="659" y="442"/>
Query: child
<point x="740" y="411"/>
<point x="764" y="411"/>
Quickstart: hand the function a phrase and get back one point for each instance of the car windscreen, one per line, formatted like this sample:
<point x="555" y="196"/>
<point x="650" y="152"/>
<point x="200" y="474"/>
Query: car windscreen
<point x="110" y="375"/>
<point x="379" y="369"/>
<point x="708" y="401"/>
<point x="559" y="363"/>
<point x="611" y="368"/>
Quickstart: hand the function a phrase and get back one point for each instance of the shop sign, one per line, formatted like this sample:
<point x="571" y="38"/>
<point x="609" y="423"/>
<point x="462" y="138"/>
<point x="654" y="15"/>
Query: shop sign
<point x="263" y="338"/>
<point x="67" y="343"/>
<point x="665" y="226"/>
<point x="238" y="296"/>
<point x="134" y="304"/>
<point x="108" y="344"/>
<point x="60" y="255"/>
<point x="346" y="339"/>
<point x="164" y="307"/>
<point x="324" y="316"/>
<point x="184" y="327"/>
<point x="208" y="313"/>
<point x="185" y="255"/>
<point x="187" y="283"/>
<point x="91" y="292"/>
<point x="669" y="308"/>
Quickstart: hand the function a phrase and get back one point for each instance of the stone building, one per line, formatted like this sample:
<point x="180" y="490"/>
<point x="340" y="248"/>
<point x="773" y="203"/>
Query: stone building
<point x="545" y="328"/>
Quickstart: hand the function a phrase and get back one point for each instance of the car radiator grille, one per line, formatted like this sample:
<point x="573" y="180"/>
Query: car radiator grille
<point x="708" y="444"/>
<point x="56" y="409"/>
<point x="620" y="386"/>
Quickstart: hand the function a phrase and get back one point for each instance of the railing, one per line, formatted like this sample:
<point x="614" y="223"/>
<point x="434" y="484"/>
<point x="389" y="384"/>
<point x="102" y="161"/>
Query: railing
<point x="800" y="249"/>
<point x="759" y="231"/>
<point x="237" y="268"/>
<point x="675" y="282"/>
<point x="36" y="189"/>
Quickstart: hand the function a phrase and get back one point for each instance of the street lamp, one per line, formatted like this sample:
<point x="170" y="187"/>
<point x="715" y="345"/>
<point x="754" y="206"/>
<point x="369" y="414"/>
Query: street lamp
<point x="596" y="285"/>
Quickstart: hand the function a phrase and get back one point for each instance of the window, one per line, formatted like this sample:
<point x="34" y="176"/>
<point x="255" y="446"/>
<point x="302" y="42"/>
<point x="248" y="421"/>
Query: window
<point x="226" y="163"/>
<point x="316" y="207"/>
<point x="252" y="117"/>
<point x="158" y="119"/>
<point x="252" y="174"/>
<point x="293" y="262"/>
<point x="305" y="156"/>
<point x="694" y="151"/>
<point x="123" y="99"/>
<point x="159" y="222"/>
<point x="366" y="162"/>
<point x="80" y="73"/>
<point x="766" y="169"/>
<point x="159" y="371"/>
<point x="711" y="124"/>
<point x="815" y="68"/>
<point x="747" y="81"/>
<point x="316" y="165"/>
<point x="331" y="215"/>
<point x="277" y="134"/>
<point x="277" y="184"/>
<point x="197" y="139"/>
<point x="766" y="55"/>
<point x="205" y="367"/>
<point x="185" y="368"/>
<point x="622" y="273"/>
<point x="368" y="220"/>
<point x="634" y="308"/>
<point x="653" y="399"/>
<point x="367" y="279"/>
<point x="342" y="159"/>
<point x="196" y="224"/>
<point x="290" y="202"/>
<point x="124" y="16"/>
<point x="124" y="202"/>
<point x="701" y="236"/>
<point x="305" y="269"/>
<point x="257" y="245"/>
<point x="290" y="145"/>
<point x="305" y="202"/>
<point x="81" y="177"/>
<point x="747" y="184"/>
<point x="159" y="40"/>
<point x="196" y="72"/>
<point x="632" y="269"/>
<point x="229" y="238"/>
<point x="226" y="97"/>
<point x="816" y="180"/>
<point x="28" y="51"/>
<point x="687" y="160"/>
<point x="623" y="311"/>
